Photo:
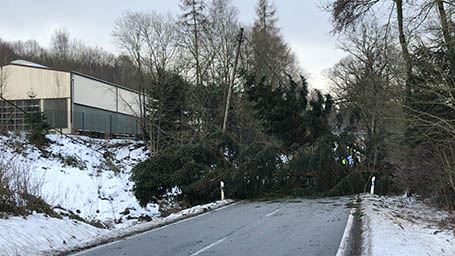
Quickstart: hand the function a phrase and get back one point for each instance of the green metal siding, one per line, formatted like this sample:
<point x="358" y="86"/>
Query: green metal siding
<point x="97" y="120"/>
<point x="128" y="124"/>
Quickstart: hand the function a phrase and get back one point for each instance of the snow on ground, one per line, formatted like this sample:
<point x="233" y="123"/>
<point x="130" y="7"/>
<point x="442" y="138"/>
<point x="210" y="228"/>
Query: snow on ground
<point x="405" y="226"/>
<point x="37" y="233"/>
<point x="41" y="235"/>
<point x="77" y="177"/>
<point x="83" y="177"/>
<point x="121" y="233"/>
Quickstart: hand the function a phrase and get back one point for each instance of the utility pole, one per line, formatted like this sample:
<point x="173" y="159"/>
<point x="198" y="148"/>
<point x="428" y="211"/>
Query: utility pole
<point x="231" y="84"/>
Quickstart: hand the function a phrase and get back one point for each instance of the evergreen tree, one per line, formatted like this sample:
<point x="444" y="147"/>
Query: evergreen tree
<point x="271" y="55"/>
<point x="286" y="112"/>
<point x="38" y="129"/>
<point x="169" y="114"/>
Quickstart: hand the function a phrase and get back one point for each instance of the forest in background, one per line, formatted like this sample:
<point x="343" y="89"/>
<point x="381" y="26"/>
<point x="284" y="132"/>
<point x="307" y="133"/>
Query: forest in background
<point x="391" y="105"/>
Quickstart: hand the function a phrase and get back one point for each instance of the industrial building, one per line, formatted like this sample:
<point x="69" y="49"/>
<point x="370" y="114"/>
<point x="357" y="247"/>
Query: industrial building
<point x="73" y="102"/>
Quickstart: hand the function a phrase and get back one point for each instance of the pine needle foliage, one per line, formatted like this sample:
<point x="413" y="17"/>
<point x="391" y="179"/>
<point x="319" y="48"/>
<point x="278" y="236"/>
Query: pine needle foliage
<point x="195" y="168"/>
<point x="38" y="129"/>
<point x="287" y="114"/>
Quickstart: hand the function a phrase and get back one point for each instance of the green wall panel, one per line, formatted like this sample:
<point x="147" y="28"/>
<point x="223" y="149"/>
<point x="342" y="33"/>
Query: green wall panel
<point x="97" y="120"/>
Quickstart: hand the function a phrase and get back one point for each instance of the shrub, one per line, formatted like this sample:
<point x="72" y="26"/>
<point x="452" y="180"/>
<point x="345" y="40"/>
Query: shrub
<point x="153" y="178"/>
<point x="195" y="168"/>
<point x="73" y="161"/>
<point x="186" y="166"/>
<point x="19" y="190"/>
<point x="38" y="130"/>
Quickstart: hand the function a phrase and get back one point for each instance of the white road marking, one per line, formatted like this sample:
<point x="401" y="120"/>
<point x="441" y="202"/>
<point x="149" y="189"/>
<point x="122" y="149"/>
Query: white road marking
<point x="222" y="239"/>
<point x="342" y="248"/>
<point x="208" y="247"/>
<point x="152" y="230"/>
<point x="270" y="214"/>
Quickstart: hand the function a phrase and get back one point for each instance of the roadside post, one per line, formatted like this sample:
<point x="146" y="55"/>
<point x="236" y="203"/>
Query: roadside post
<point x="222" y="190"/>
<point x="372" y="185"/>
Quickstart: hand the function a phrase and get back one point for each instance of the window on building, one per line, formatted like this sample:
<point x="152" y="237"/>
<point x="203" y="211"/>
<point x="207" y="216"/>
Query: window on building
<point x="12" y="113"/>
<point x="56" y="111"/>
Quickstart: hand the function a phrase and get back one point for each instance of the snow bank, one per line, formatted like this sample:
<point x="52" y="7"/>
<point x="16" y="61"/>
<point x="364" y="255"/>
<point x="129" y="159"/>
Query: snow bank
<point x="404" y="226"/>
<point x="121" y="233"/>
<point x="42" y="235"/>
<point x="20" y="236"/>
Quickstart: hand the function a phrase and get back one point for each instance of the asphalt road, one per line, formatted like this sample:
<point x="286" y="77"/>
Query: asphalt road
<point x="282" y="227"/>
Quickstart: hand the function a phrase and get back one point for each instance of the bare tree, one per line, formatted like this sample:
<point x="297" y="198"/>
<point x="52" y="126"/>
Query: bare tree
<point x="193" y="24"/>
<point x="346" y="14"/>
<point x="152" y="41"/>
<point x="161" y="38"/>
<point x="447" y="32"/>
<point x="128" y="37"/>
<point x="61" y="46"/>
<point x="368" y="94"/>
<point x="224" y="29"/>
<point x="7" y="53"/>
<point x="424" y="36"/>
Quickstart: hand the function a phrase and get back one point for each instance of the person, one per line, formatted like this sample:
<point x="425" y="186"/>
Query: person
<point x="350" y="160"/>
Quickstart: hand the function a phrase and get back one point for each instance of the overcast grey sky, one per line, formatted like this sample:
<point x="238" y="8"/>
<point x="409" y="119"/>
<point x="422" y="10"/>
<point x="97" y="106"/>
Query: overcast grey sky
<point x="303" y="25"/>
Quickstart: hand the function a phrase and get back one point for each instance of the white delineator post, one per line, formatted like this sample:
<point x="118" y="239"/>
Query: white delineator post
<point x="372" y="185"/>
<point x="222" y="190"/>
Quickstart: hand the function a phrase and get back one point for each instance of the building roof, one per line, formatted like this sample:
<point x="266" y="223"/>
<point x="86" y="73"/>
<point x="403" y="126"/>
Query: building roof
<point x="35" y="65"/>
<point x="28" y="63"/>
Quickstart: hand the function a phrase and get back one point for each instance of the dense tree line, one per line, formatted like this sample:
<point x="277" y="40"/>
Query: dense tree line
<point x="391" y="107"/>
<point x="396" y="88"/>
<point x="280" y="137"/>
<point x="393" y="115"/>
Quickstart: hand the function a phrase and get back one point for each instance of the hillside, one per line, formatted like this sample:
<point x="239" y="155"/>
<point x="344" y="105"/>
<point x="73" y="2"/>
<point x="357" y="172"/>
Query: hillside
<point x="77" y="176"/>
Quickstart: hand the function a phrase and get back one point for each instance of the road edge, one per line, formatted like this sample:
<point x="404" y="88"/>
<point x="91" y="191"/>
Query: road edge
<point x="351" y="243"/>
<point x="141" y="228"/>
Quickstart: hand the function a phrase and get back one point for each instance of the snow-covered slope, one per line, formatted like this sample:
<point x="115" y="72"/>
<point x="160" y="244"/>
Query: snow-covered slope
<point x="81" y="178"/>
<point x="77" y="176"/>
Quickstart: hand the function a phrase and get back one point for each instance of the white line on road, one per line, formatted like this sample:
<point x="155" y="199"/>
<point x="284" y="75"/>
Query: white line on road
<point x="208" y="247"/>
<point x="342" y="249"/>
<point x="222" y="239"/>
<point x="153" y="230"/>
<point x="270" y="214"/>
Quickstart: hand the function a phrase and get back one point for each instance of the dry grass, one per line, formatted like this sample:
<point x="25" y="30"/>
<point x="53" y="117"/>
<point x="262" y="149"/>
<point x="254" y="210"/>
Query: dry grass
<point x="20" y="188"/>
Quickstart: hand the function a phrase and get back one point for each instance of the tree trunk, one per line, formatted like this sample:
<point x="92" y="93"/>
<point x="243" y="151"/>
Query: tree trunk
<point x="447" y="36"/>
<point x="196" y="45"/>
<point x="141" y="96"/>
<point x="404" y="49"/>
<point x="231" y="84"/>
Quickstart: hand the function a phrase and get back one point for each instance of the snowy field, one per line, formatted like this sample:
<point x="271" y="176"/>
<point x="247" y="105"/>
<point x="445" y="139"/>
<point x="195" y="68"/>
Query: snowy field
<point x="404" y="226"/>
<point x="79" y="179"/>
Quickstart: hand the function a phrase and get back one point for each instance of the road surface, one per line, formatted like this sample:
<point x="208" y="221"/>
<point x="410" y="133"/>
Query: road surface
<point x="281" y="227"/>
